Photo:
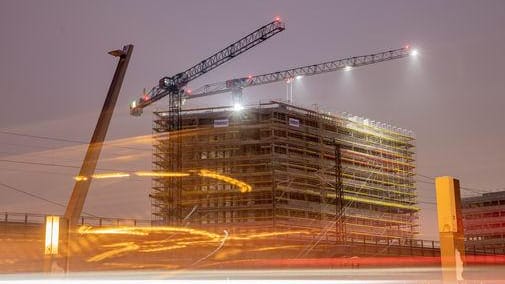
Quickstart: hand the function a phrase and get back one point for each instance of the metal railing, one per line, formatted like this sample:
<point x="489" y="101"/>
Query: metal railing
<point x="34" y="218"/>
<point x="387" y="246"/>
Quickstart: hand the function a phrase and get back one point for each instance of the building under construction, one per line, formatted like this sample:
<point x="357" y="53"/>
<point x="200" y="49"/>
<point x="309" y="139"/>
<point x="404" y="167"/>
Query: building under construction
<point x="346" y="177"/>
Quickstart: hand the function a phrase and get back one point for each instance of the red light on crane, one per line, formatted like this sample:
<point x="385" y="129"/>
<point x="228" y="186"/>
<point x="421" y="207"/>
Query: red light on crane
<point x="145" y="97"/>
<point x="407" y="46"/>
<point x="188" y="91"/>
<point x="277" y="19"/>
<point x="249" y="77"/>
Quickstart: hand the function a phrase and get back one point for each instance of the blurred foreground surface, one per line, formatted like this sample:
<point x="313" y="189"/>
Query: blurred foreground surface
<point x="182" y="253"/>
<point x="482" y="274"/>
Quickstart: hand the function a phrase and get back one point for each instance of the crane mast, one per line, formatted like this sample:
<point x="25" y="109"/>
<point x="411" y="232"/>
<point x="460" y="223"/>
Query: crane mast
<point x="172" y="86"/>
<point x="236" y="85"/>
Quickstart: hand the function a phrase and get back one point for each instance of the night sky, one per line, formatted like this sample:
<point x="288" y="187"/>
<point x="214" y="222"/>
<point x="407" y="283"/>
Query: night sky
<point x="54" y="74"/>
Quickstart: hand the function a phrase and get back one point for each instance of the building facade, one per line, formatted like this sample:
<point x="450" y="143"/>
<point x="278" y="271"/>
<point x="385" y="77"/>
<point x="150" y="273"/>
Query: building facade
<point x="484" y="220"/>
<point x="343" y="177"/>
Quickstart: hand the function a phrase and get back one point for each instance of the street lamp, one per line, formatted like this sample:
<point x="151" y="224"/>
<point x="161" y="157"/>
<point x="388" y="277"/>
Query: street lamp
<point x="52" y="235"/>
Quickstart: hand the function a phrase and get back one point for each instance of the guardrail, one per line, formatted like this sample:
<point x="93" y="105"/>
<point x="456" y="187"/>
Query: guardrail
<point x="34" y="218"/>
<point x="414" y="246"/>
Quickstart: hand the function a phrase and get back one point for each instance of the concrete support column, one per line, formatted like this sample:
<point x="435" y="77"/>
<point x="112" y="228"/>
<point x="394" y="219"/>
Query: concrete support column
<point x="450" y="227"/>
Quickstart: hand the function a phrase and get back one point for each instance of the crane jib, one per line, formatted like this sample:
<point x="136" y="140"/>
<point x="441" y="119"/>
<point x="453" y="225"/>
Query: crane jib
<point x="309" y="70"/>
<point x="175" y="83"/>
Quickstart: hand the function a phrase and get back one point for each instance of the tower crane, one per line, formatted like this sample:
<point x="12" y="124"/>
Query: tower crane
<point x="173" y="86"/>
<point x="235" y="86"/>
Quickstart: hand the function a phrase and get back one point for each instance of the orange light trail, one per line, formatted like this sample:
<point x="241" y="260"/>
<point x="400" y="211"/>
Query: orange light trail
<point x="244" y="187"/>
<point x="180" y="238"/>
<point x="123" y="248"/>
<point x="147" y="246"/>
<point x="160" y="174"/>
<point x="103" y="176"/>
<point x="110" y="175"/>
<point x="144" y="231"/>
<point x="278" y="247"/>
<point x="269" y="234"/>
<point x="162" y="248"/>
<point x="80" y="178"/>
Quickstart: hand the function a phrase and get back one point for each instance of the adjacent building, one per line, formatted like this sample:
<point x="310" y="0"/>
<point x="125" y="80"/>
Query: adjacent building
<point x="484" y="220"/>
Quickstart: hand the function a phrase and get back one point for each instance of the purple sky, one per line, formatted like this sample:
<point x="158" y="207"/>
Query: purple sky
<point x="54" y="73"/>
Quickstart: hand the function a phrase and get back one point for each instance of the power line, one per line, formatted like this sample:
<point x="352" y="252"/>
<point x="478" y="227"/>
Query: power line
<point x="25" y="145"/>
<point x="57" y="165"/>
<point x="65" y="140"/>
<point x="427" y="182"/>
<point x="130" y="179"/>
<point x="469" y="189"/>
<point x="427" y="202"/>
<point x="425" y="176"/>
<point x="38" y="197"/>
<point x="46" y="148"/>
<point x="36" y="172"/>
<point x="473" y="190"/>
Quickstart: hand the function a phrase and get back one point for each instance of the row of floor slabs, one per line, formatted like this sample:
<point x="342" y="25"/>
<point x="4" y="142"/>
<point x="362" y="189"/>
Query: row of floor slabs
<point x="390" y="182"/>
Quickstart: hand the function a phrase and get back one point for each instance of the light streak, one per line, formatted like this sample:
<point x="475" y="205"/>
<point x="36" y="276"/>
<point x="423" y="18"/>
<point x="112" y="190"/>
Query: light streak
<point x="103" y="176"/>
<point x="226" y="254"/>
<point x="80" y="178"/>
<point x="140" y="266"/>
<point x="123" y="248"/>
<point x="269" y="234"/>
<point x="277" y="247"/>
<point x="149" y="246"/>
<point x="172" y="239"/>
<point x="85" y="230"/>
<point x="214" y="251"/>
<point x="160" y="174"/>
<point x="378" y="202"/>
<point x="110" y="175"/>
<point x="162" y="248"/>
<point x="180" y="238"/>
<point x="144" y="231"/>
<point x="244" y="187"/>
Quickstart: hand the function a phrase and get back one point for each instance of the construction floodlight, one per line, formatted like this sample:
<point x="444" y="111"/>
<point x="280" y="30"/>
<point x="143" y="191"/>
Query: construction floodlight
<point x="237" y="107"/>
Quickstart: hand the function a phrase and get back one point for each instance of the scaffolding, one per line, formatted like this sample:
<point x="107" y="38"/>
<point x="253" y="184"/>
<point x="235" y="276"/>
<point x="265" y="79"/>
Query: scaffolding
<point x="341" y="176"/>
